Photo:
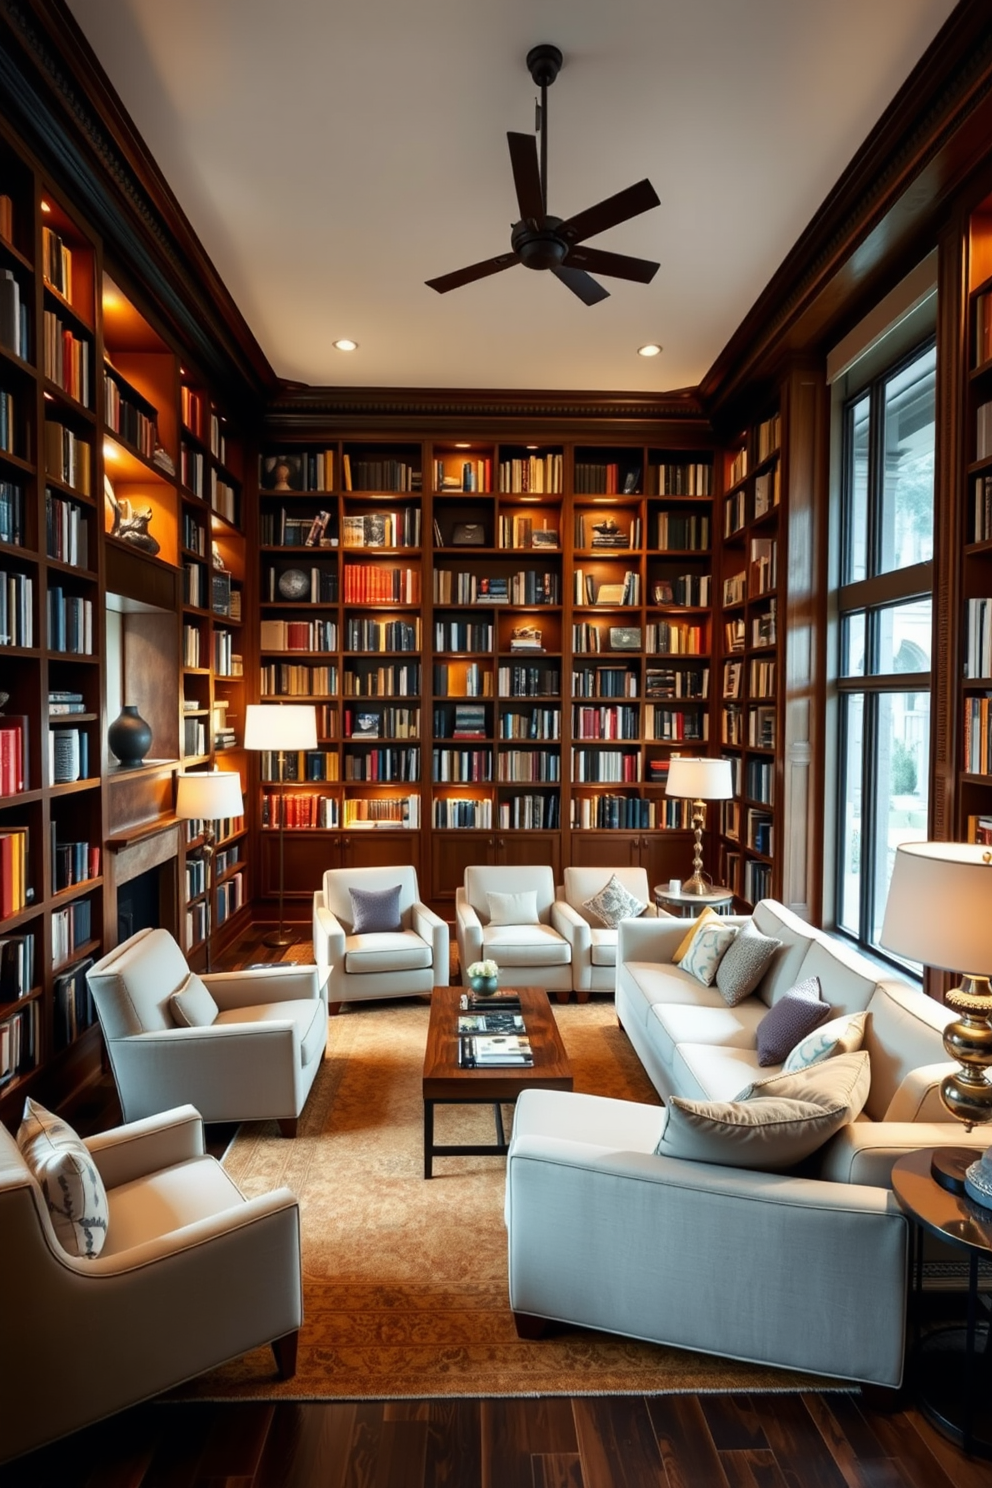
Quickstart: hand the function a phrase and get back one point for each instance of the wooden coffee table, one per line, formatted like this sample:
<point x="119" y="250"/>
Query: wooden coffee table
<point x="447" y="1084"/>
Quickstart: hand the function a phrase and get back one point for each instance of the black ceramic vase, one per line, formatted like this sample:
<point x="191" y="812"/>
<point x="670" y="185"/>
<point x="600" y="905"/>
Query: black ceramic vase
<point x="129" y="736"/>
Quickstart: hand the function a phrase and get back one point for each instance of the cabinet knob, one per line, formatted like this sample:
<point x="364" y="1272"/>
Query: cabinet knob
<point x="502" y="842"/>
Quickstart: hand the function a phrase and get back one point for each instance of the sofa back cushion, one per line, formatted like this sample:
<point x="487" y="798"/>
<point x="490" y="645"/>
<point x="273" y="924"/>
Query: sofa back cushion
<point x="132" y="985"/>
<point x="773" y="919"/>
<point x="847" y="979"/>
<point x="904" y="1031"/>
<point x="506" y="878"/>
<point x="338" y="883"/>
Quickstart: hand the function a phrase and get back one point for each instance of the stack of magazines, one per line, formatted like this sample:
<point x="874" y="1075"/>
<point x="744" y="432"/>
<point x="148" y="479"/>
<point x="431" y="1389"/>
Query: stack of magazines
<point x="488" y="1051"/>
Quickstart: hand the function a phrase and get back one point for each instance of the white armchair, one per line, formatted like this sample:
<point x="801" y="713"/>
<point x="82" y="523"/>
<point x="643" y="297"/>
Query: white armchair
<point x="252" y="1056"/>
<point x="594" y="944"/>
<point x="528" y="953"/>
<point x="191" y="1274"/>
<point x="405" y="962"/>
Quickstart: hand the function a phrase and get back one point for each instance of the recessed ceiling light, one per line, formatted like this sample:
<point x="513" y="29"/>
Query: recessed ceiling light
<point x="650" y="350"/>
<point x="345" y="345"/>
<point x="463" y="446"/>
<point x="46" y="206"/>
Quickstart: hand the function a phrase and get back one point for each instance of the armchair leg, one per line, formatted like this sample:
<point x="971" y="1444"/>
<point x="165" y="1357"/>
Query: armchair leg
<point x="288" y="1125"/>
<point x="333" y="1008"/>
<point x="563" y="994"/>
<point x="583" y="996"/>
<point x="284" y="1349"/>
<point x="529" y="1326"/>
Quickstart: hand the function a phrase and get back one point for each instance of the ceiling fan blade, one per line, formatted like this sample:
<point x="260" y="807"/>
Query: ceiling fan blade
<point x="615" y="209"/>
<point x="580" y="283"/>
<point x="527" y="177"/>
<point x="619" y="265"/>
<point x="473" y="272"/>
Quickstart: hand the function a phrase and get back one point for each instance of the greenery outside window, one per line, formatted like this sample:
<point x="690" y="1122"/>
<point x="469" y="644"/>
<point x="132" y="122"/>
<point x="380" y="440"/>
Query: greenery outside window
<point x="885" y="615"/>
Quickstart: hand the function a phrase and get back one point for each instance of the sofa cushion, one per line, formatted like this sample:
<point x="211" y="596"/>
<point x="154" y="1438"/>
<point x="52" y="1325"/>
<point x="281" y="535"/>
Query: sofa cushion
<point x="843" y="1035"/>
<point x="707" y="917"/>
<point x="768" y="1133"/>
<point x="773" y="919"/>
<point x="689" y="1023"/>
<point x="790" y="1019"/>
<point x="158" y="1203"/>
<point x="905" y="1031"/>
<point x="847" y="978"/>
<point x="307" y="1013"/>
<point x="513" y="909"/>
<point x="744" y="963"/>
<point x="68" y="1178"/>
<point x="706" y="950"/>
<point x="918" y="1097"/>
<point x="839" y="1082"/>
<point x="193" y="1005"/>
<point x="400" y="950"/>
<point x="525" y="945"/>
<point x="375" y="911"/>
<point x="613" y="903"/>
<point x="711" y="1072"/>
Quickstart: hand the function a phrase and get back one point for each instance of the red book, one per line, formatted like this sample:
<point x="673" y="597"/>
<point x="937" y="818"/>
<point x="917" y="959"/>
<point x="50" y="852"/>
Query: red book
<point x="6" y="876"/>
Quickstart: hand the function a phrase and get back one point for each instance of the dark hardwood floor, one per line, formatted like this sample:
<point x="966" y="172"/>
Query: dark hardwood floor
<point x="835" y="1440"/>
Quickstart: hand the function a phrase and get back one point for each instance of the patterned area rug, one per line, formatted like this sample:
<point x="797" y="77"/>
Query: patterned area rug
<point x="405" y="1280"/>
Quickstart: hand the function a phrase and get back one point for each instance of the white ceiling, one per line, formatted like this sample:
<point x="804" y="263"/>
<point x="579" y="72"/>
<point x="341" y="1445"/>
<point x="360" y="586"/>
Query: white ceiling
<point x="333" y="154"/>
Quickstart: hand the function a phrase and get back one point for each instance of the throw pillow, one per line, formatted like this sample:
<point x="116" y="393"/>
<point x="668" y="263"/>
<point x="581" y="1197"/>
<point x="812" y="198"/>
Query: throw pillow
<point x="68" y="1178"/>
<point x="745" y="964"/>
<point x="843" y="1035"/>
<point x="614" y="903"/>
<point x="768" y="1134"/>
<point x="193" y="1006"/>
<point x="686" y="941"/>
<point x="795" y="1015"/>
<point x="842" y="1081"/>
<point x="375" y="911"/>
<point x="706" y="949"/>
<point x="513" y="909"/>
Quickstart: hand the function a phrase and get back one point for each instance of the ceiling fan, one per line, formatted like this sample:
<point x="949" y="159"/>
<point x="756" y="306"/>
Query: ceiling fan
<point x="542" y="241"/>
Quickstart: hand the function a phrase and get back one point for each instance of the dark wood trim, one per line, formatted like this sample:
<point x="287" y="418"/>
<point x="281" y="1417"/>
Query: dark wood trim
<point x="60" y="100"/>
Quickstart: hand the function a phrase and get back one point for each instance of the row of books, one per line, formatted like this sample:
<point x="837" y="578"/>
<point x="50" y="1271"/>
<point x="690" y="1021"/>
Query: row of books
<point x="983" y="328"/>
<point x="458" y="766"/>
<point x="453" y="813"/>
<point x="15" y="892"/>
<point x="978" y="638"/>
<point x="383" y="811"/>
<point x="299" y="635"/>
<point x="396" y="529"/>
<point x="17" y="966"/>
<point x="529" y="813"/>
<point x="19" y="1043"/>
<point x="230" y="897"/>
<point x="760" y="777"/>
<point x="73" y="862"/>
<point x="192" y="468"/>
<point x="56" y="261"/>
<point x="527" y="587"/>
<point x="388" y="722"/>
<point x="294" y="809"/>
<point x="693" y="478"/>
<point x="72" y="927"/>
<point x="621" y="721"/>
<point x="982" y="509"/>
<point x="611" y="813"/>
<point x="68" y="458"/>
<point x="378" y="475"/>
<point x="978" y="734"/>
<point x="677" y="682"/>
<point x="16" y="609"/>
<point x="604" y="478"/>
<point x="13" y="754"/>
<point x="299" y="764"/>
<point x="8" y="428"/>
<point x="461" y="635"/>
<point x="767" y="490"/>
<point x="194" y="534"/>
<point x="70" y="622"/>
<point x="362" y="635"/>
<point x="68" y="755"/>
<point x="677" y="531"/>
<point x="543" y="724"/>
<point x="370" y="583"/>
<point x="383" y="764"/>
<point x="305" y="470"/>
<point x="295" y="679"/>
<point x="463" y="475"/>
<point x="983" y="431"/>
<point x="534" y="766"/>
<point x="519" y="680"/>
<point x="398" y="679"/>
<point x="523" y="531"/>
<point x="223" y="498"/>
<point x="66" y="359"/>
<point x="128" y="414"/>
<point x="586" y="590"/>
<point x="540" y="474"/>
<point x="14" y="325"/>
<point x="67" y="531"/>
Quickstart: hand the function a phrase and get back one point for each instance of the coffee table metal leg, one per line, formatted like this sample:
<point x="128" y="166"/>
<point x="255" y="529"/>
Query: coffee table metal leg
<point x="500" y="1134"/>
<point x="428" y="1138"/>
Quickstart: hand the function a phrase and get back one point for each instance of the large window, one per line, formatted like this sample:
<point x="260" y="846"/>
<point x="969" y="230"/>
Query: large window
<point x="885" y="633"/>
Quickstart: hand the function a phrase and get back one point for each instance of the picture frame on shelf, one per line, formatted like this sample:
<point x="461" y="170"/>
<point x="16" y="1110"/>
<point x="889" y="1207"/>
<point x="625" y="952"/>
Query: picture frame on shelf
<point x="468" y="535"/>
<point x="280" y="472"/>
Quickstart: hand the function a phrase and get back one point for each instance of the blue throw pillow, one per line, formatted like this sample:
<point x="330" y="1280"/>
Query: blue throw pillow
<point x="377" y="912"/>
<point x="794" y="1016"/>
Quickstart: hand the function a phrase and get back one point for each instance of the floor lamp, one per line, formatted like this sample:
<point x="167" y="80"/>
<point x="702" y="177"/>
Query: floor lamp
<point x="209" y="796"/>
<point x="699" y="780"/>
<point x="277" y="727"/>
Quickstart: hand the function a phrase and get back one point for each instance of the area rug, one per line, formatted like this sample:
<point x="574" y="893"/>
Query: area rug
<point x="405" y="1280"/>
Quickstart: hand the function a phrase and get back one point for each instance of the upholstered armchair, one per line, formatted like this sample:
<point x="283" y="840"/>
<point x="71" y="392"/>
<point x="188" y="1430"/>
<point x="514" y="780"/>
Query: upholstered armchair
<point x="238" y="1045"/>
<point x="403" y="953"/>
<point x="503" y="913"/>
<point x="589" y="932"/>
<point x="191" y="1274"/>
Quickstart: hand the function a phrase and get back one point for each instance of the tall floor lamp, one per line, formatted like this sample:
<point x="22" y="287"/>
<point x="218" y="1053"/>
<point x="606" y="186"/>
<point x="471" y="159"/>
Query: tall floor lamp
<point x="278" y="727"/>
<point x="209" y="796"/>
<point x="938" y="913"/>
<point x="699" y="780"/>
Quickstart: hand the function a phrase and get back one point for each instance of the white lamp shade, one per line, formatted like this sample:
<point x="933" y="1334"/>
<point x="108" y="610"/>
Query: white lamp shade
<point x="939" y="909"/>
<point x="209" y="796"/>
<point x="699" y="779"/>
<point x="280" y="726"/>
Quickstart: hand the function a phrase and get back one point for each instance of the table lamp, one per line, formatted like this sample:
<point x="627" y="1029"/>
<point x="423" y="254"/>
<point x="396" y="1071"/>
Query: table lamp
<point x="278" y="727"/>
<point x="699" y="780"/>
<point x="209" y="796"/>
<point x="939" y="912"/>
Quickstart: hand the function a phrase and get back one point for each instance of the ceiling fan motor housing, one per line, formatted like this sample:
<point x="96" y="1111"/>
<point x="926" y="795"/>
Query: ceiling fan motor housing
<point x="539" y="247"/>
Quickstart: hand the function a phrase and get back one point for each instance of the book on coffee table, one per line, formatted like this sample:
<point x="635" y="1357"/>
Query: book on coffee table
<point x="490" y="1022"/>
<point x="502" y="1048"/>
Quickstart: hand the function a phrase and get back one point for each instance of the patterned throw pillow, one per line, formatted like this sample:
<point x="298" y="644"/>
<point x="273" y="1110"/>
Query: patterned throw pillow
<point x="513" y="909"/>
<point x="706" y="948"/>
<point x="843" y="1035"/>
<point x="614" y="903"/>
<point x="795" y="1015"/>
<point x="708" y="917"/>
<point x="375" y="911"/>
<point x="68" y="1178"/>
<point x="745" y="963"/>
<point x="841" y="1082"/>
<point x="193" y="1006"/>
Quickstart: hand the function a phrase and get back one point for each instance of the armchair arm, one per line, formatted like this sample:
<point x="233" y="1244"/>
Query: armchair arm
<point x="213" y="1228"/>
<point x="430" y="927"/>
<point x="468" y="928"/>
<point x="234" y="989"/>
<point x="864" y="1151"/>
<point x="328" y="934"/>
<point x="141" y="1147"/>
<point x="570" y="924"/>
<point x="229" y="1071"/>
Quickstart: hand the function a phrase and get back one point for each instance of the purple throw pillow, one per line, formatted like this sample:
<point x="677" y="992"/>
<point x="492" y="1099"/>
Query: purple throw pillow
<point x="796" y="1014"/>
<point x="377" y="912"/>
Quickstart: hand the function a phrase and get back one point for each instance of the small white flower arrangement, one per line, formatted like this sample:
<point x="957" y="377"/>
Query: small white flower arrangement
<point x="486" y="968"/>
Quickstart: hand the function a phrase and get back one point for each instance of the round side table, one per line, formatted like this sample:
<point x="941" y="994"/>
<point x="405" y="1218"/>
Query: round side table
<point x="952" y="1364"/>
<point x="689" y="905"/>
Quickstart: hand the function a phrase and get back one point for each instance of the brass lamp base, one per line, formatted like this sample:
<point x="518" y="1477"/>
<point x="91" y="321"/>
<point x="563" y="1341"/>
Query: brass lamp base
<point x="699" y="882"/>
<point x="967" y="1093"/>
<point x="280" y="939"/>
